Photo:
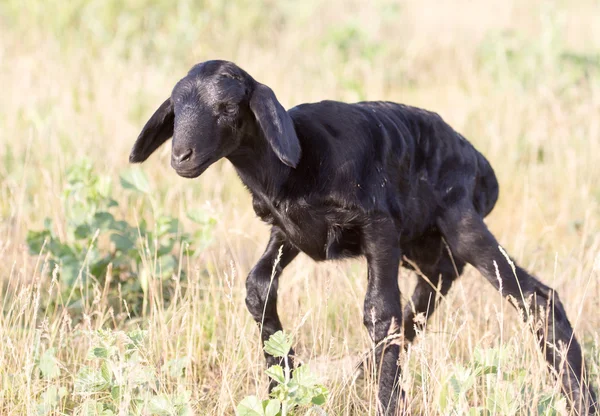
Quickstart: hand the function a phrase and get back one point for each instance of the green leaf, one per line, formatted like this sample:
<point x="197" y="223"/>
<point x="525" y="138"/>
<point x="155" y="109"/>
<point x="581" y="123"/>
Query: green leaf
<point x="443" y="398"/>
<point x="135" y="179"/>
<point x="185" y="410"/>
<point x="200" y="216"/>
<point x="456" y="387"/>
<point x="79" y="171"/>
<point x="481" y="371"/>
<point x="97" y="265"/>
<point x="271" y="407"/>
<point x="517" y="376"/>
<point x="106" y="372"/>
<point x="82" y="231"/>
<point x="62" y="251"/>
<point x="137" y="337"/>
<point x="122" y="243"/>
<point x="69" y="270"/>
<point x="50" y="396"/>
<point x="502" y="400"/>
<point x="281" y="392"/>
<point x="166" y="265"/>
<point x="250" y="406"/>
<point x="488" y="360"/>
<point x="166" y="248"/>
<point x="462" y="380"/>
<point x="117" y="393"/>
<point x="91" y="408"/>
<point x="122" y="226"/>
<point x="176" y="366"/>
<point x="486" y="356"/>
<point x="99" y="352"/>
<point x="278" y="344"/>
<point x="48" y="364"/>
<point x="276" y="373"/>
<point x="183" y="397"/>
<point x="79" y="212"/>
<point x="50" y="399"/>
<point x="161" y="405"/>
<point x="90" y="381"/>
<point x="319" y="400"/>
<point x="103" y="221"/>
<point x="253" y="406"/>
<point x="103" y="186"/>
<point x="304" y="377"/>
<point x="35" y="240"/>
<point x="167" y="225"/>
<point x="140" y="374"/>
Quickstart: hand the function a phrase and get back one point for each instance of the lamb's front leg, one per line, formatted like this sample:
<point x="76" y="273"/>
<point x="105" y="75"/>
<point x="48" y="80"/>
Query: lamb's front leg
<point x="382" y="310"/>
<point x="261" y="287"/>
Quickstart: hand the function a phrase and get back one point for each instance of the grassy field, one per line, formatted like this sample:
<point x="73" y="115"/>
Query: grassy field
<point x="110" y="305"/>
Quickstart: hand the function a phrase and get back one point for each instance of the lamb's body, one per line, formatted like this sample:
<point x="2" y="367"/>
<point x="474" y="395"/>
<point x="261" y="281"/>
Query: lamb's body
<point x="388" y="159"/>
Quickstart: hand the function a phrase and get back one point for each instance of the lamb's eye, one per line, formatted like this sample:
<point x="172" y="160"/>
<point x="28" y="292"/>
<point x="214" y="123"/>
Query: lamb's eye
<point x="228" y="109"/>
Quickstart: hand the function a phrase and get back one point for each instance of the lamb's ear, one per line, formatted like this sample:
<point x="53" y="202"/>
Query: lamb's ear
<point x="157" y="130"/>
<point x="276" y="125"/>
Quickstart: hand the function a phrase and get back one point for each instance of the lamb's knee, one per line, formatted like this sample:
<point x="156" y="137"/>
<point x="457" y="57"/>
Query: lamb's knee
<point x="261" y="295"/>
<point x="468" y="237"/>
<point x="255" y="304"/>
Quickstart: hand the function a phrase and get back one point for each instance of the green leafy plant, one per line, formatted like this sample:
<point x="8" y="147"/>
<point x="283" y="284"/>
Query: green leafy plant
<point x="48" y="367"/>
<point x="295" y="389"/>
<point x="94" y="237"/>
<point x="500" y="384"/>
<point x="119" y="379"/>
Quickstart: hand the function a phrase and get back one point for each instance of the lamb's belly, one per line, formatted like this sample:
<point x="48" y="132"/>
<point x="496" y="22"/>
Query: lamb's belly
<point x="325" y="242"/>
<point x="311" y="241"/>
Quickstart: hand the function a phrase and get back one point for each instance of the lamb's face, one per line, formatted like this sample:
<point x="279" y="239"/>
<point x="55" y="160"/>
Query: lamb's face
<point x="209" y="106"/>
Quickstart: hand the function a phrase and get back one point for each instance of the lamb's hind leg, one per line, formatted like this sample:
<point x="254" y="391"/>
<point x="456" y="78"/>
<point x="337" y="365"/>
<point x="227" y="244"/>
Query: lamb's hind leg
<point x="471" y="241"/>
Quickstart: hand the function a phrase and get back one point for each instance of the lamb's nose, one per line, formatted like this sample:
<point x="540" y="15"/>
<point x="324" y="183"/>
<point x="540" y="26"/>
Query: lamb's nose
<point x="183" y="156"/>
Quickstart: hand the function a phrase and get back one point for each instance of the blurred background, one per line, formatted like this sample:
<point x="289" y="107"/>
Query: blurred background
<point x="122" y="288"/>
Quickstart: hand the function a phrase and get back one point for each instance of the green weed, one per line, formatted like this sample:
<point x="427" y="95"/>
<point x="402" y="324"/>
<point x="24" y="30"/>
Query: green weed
<point x="296" y="388"/>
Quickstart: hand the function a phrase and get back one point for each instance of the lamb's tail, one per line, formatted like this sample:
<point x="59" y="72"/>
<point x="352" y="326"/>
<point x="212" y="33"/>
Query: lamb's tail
<point x="486" y="188"/>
